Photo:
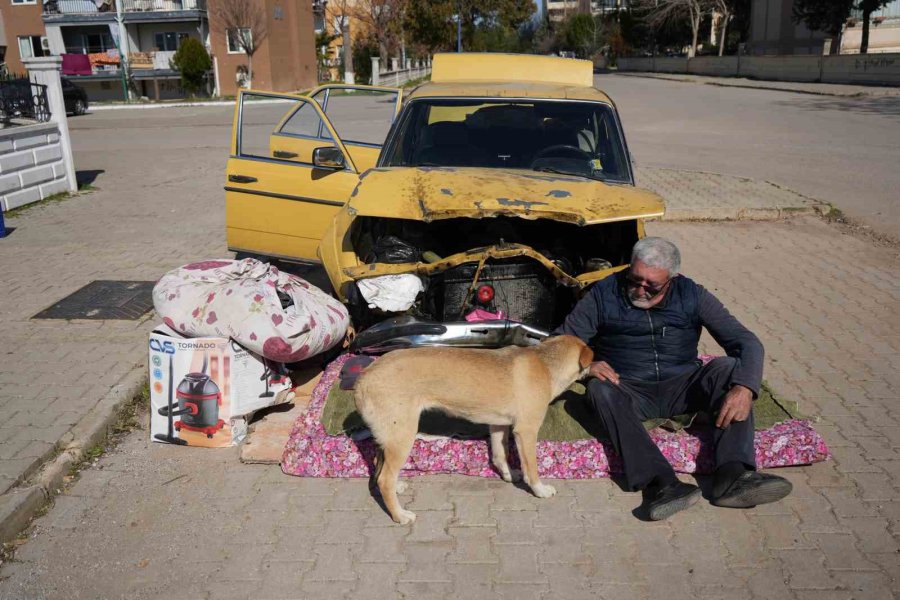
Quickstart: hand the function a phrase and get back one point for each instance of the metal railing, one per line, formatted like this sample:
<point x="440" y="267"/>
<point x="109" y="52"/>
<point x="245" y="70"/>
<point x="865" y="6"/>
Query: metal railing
<point x="20" y="99"/>
<point x="81" y="7"/>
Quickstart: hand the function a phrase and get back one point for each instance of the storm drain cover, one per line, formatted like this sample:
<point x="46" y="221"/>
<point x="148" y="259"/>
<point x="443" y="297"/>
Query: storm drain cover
<point x="100" y="300"/>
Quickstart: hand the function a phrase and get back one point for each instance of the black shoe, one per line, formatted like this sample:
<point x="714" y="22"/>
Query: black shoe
<point x="753" y="488"/>
<point x="671" y="499"/>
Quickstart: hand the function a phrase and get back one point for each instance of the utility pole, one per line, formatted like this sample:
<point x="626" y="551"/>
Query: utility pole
<point x="123" y="51"/>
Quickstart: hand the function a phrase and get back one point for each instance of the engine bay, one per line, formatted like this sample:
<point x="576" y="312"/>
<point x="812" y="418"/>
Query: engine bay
<point x="574" y="249"/>
<point x="519" y="288"/>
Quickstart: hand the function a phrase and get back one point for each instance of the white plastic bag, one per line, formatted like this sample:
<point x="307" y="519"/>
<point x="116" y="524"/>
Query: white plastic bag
<point x="391" y="293"/>
<point x="239" y="299"/>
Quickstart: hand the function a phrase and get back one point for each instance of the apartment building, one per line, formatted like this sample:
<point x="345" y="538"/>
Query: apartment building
<point x="559" y="10"/>
<point x="93" y="35"/>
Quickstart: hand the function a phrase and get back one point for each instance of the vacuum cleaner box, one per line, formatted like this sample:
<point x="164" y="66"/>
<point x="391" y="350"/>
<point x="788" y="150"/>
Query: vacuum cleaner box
<point x="202" y="390"/>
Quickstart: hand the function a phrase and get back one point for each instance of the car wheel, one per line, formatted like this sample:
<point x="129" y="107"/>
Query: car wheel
<point x="80" y="107"/>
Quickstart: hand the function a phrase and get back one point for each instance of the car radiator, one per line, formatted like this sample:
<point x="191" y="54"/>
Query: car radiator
<point x="525" y="291"/>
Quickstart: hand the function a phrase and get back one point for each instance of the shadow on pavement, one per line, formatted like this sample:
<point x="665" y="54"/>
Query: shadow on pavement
<point x="87" y="177"/>
<point x="887" y="106"/>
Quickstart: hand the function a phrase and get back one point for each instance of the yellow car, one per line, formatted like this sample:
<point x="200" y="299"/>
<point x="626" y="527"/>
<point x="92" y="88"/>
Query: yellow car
<point x="495" y="193"/>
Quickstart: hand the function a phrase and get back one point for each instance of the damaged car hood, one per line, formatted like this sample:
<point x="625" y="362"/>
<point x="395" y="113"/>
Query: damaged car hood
<point x="430" y="193"/>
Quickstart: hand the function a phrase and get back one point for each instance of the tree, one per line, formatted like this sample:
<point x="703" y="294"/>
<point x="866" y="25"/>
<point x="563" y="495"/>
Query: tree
<point x="193" y="63"/>
<point x="824" y="15"/>
<point x="433" y="23"/>
<point x="580" y="34"/>
<point x="667" y="13"/>
<point x="244" y="23"/>
<point x="726" y="9"/>
<point x="868" y="7"/>
<point x="383" y="21"/>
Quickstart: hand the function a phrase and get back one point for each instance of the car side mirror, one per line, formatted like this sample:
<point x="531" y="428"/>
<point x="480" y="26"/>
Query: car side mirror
<point x="328" y="157"/>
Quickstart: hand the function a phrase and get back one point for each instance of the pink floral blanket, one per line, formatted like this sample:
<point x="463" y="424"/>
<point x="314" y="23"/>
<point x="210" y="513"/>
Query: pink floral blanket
<point x="310" y="452"/>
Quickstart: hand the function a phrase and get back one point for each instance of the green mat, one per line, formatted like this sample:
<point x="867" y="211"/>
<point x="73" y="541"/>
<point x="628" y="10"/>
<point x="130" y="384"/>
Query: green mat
<point x="569" y="418"/>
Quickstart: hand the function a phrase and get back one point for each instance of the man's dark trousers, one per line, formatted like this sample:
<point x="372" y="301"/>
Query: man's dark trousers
<point x="623" y="407"/>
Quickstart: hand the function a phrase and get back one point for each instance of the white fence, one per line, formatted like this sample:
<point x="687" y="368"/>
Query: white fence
<point x="36" y="160"/>
<point x="32" y="166"/>
<point x="397" y="76"/>
<point x="877" y="69"/>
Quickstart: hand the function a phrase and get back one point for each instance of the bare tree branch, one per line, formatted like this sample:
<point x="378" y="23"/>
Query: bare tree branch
<point x="245" y="21"/>
<point x="383" y="19"/>
<point x="665" y="13"/>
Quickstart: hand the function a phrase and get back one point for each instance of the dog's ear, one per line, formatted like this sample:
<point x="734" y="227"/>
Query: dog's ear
<point x="586" y="357"/>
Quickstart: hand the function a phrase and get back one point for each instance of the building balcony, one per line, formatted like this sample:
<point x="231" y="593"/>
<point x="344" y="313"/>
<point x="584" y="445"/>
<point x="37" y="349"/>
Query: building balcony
<point x="107" y="64"/>
<point x="133" y="10"/>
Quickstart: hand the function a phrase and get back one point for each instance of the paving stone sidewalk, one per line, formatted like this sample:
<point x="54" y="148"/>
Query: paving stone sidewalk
<point x="695" y="195"/>
<point x="56" y="374"/>
<point x="60" y="380"/>
<point x="151" y="520"/>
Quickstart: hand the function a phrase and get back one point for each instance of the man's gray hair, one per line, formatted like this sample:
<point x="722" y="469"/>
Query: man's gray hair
<point x="659" y="253"/>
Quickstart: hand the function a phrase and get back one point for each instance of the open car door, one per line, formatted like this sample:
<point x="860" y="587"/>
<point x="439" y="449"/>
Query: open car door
<point x="289" y="171"/>
<point x="357" y="113"/>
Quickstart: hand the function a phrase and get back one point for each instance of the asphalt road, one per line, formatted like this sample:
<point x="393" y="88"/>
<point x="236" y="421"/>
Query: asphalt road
<point x="845" y="151"/>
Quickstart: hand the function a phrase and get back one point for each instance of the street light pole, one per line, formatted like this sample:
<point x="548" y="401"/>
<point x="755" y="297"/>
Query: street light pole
<point x="123" y="50"/>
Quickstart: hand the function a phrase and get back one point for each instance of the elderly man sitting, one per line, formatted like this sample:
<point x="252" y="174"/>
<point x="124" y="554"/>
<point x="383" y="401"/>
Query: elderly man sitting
<point x="644" y="325"/>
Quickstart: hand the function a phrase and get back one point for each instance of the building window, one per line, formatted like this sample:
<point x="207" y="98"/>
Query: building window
<point x="169" y="41"/>
<point x="30" y="46"/>
<point x="97" y="42"/>
<point x="234" y="37"/>
<point x="24" y="2"/>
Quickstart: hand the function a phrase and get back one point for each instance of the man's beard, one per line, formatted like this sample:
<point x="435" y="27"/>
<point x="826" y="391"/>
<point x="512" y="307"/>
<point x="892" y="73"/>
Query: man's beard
<point x="639" y="302"/>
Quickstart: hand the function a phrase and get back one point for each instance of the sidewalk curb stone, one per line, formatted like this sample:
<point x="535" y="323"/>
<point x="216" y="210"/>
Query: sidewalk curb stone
<point x="20" y="504"/>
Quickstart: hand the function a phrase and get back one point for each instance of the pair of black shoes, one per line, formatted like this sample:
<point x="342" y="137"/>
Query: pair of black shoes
<point x="746" y="491"/>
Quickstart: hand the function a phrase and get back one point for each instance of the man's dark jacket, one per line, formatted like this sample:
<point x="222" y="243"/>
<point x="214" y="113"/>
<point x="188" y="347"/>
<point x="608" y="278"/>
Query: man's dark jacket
<point x="660" y="343"/>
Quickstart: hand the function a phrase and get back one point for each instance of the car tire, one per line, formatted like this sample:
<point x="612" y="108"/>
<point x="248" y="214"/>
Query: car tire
<point x="80" y="108"/>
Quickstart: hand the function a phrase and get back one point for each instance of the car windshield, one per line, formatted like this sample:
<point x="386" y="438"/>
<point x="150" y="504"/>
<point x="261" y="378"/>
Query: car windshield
<point x="577" y="138"/>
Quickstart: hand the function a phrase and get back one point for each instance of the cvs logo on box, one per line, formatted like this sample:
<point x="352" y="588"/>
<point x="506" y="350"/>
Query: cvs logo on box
<point x="164" y="347"/>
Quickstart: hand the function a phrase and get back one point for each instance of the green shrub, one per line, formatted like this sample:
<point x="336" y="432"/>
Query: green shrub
<point x="193" y="62"/>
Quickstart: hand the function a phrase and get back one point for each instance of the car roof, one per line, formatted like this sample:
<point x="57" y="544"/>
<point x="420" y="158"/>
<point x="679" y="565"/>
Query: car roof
<point x="496" y="75"/>
<point x="507" y="89"/>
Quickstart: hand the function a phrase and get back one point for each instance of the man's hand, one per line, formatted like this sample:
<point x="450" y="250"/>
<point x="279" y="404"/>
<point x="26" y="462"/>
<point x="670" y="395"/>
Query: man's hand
<point x="736" y="407"/>
<point x="602" y="371"/>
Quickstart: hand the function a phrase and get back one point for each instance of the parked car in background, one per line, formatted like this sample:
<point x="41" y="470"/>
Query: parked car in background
<point x="502" y="189"/>
<point x="75" y="97"/>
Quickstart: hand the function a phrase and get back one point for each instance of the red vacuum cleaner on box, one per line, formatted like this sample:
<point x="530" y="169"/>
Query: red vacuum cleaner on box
<point x="199" y="399"/>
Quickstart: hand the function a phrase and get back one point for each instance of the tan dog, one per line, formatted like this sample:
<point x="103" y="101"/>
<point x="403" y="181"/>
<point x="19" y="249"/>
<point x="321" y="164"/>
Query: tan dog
<point x="511" y="386"/>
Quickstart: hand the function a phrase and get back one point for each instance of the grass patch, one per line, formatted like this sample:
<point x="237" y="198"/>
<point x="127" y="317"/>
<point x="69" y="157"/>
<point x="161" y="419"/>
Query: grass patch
<point x="417" y="81"/>
<point x="835" y="215"/>
<point x="83" y="189"/>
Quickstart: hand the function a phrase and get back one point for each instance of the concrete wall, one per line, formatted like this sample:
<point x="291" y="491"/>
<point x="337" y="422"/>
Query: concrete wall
<point x="31" y="164"/>
<point x="877" y="69"/>
<point x="862" y="68"/>
<point x="713" y="65"/>
<point x="883" y="37"/>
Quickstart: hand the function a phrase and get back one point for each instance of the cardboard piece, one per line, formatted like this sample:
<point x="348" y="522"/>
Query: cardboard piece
<point x="203" y="390"/>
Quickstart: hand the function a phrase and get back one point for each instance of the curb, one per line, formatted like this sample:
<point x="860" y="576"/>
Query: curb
<point x="19" y="505"/>
<point x="101" y="107"/>
<point x="742" y="214"/>
<point x="771" y="88"/>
